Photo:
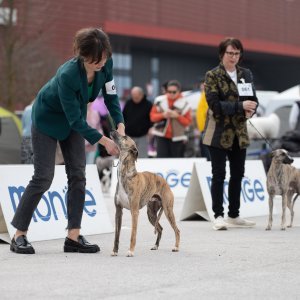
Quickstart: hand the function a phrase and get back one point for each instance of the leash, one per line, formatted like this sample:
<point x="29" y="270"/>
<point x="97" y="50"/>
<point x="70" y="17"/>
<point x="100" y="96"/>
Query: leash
<point x="263" y="137"/>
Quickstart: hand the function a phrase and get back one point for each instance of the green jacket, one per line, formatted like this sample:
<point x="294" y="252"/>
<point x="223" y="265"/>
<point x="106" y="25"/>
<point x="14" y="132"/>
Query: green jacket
<point x="225" y="116"/>
<point x="61" y="104"/>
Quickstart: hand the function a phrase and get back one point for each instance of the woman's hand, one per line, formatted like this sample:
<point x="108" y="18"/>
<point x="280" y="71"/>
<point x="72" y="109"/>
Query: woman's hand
<point x="121" y="129"/>
<point x="171" y="114"/>
<point x="249" y="114"/>
<point x="249" y="105"/>
<point x="109" y="145"/>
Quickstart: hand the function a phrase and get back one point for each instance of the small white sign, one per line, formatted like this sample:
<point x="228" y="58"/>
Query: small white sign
<point x="245" y="89"/>
<point x="254" y="195"/>
<point x="176" y="171"/>
<point x="110" y="88"/>
<point x="50" y="218"/>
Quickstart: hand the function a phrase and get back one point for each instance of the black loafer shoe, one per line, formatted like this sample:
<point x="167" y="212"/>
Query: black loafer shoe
<point x="82" y="246"/>
<point x="21" y="245"/>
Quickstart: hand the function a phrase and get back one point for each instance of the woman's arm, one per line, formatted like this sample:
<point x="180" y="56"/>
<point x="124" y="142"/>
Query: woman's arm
<point x="111" y="99"/>
<point x="216" y="104"/>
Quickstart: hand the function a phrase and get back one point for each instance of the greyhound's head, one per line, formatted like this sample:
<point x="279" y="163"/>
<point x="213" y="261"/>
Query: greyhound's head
<point x="281" y="156"/>
<point x="125" y="144"/>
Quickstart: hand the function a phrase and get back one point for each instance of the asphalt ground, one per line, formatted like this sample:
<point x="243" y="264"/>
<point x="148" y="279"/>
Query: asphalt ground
<point x="238" y="263"/>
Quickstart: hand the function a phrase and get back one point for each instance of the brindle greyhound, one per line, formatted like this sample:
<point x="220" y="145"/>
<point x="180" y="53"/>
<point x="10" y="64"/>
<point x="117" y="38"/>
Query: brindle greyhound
<point x="284" y="180"/>
<point x="137" y="189"/>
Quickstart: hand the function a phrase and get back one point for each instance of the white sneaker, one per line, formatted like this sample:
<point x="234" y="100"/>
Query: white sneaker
<point x="239" y="222"/>
<point x="219" y="224"/>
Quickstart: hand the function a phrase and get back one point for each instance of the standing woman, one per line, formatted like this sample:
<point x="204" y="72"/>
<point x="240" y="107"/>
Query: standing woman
<point x="59" y="114"/>
<point x="231" y="99"/>
<point x="171" y="115"/>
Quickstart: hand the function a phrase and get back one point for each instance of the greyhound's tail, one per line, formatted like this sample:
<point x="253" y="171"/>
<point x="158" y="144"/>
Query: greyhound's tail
<point x="157" y="219"/>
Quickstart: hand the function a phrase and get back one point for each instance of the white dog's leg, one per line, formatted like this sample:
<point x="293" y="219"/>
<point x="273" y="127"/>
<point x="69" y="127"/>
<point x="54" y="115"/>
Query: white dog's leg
<point x="284" y="205"/>
<point x="292" y="203"/>
<point x="271" y="197"/>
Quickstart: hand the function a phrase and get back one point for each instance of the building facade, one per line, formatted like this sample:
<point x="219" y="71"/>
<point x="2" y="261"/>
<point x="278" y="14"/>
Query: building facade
<point x="157" y="40"/>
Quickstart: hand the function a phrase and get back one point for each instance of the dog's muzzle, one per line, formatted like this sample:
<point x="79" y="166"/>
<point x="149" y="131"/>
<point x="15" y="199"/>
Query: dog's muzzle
<point x="288" y="160"/>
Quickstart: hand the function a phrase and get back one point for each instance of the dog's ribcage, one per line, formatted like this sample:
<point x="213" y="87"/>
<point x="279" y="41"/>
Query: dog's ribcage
<point x="278" y="178"/>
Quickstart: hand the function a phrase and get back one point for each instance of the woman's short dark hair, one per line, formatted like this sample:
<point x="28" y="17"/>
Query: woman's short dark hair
<point x="92" y="44"/>
<point x="235" y="43"/>
<point x="174" y="83"/>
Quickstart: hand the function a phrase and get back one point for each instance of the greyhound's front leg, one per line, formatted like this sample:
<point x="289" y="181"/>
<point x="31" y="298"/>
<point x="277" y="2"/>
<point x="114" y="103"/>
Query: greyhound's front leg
<point x="284" y="205"/>
<point x="134" y="221"/>
<point x="118" y="224"/>
<point x="271" y="198"/>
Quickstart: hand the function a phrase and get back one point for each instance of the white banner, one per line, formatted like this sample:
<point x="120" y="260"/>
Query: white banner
<point x="50" y="218"/>
<point x="176" y="171"/>
<point x="254" y="195"/>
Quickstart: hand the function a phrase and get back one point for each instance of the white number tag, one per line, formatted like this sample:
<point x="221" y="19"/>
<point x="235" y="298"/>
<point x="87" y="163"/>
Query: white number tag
<point x="110" y="88"/>
<point x="245" y="89"/>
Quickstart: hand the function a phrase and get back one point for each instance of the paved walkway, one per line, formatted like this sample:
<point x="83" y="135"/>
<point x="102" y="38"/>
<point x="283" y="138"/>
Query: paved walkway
<point x="234" y="264"/>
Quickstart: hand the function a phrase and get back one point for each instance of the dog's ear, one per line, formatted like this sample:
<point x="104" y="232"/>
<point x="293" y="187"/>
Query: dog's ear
<point x="134" y="152"/>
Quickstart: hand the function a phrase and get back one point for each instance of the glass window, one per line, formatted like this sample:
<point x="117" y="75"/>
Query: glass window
<point x="122" y="61"/>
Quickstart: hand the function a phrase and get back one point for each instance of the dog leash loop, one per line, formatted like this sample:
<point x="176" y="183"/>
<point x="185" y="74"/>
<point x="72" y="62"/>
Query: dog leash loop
<point x="264" y="138"/>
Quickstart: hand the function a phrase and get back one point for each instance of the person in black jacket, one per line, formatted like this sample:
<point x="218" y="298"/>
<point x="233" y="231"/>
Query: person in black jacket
<point x="136" y="115"/>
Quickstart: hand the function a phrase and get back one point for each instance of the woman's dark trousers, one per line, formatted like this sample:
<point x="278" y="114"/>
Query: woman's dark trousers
<point x="44" y="148"/>
<point x="236" y="158"/>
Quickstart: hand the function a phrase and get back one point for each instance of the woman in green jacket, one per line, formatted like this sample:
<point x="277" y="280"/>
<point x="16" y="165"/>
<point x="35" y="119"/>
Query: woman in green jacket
<point x="59" y="115"/>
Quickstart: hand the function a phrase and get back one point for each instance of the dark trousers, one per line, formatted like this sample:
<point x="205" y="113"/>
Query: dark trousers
<point x="236" y="158"/>
<point x="44" y="148"/>
<point x="167" y="148"/>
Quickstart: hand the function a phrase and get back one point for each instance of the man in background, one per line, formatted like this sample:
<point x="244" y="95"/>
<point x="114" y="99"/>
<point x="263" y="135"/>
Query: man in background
<point x="136" y="114"/>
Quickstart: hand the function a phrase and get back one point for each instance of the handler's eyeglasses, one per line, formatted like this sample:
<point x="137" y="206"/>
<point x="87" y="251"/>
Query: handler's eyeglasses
<point x="172" y="92"/>
<point x="232" y="54"/>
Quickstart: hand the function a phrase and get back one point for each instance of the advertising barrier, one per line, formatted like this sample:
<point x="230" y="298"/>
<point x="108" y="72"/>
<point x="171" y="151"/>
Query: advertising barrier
<point x="50" y="217"/>
<point x="176" y="171"/>
<point x="254" y="195"/>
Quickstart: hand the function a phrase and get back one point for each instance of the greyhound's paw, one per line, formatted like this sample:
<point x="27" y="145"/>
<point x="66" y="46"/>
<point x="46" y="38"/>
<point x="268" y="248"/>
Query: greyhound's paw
<point x="114" y="253"/>
<point x="290" y="226"/>
<point x="175" y="249"/>
<point x="282" y="228"/>
<point x="155" y="247"/>
<point x="129" y="253"/>
<point x="268" y="227"/>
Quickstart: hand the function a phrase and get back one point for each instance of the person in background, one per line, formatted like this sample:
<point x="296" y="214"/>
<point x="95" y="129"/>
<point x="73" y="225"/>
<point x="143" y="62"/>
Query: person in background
<point x="226" y="131"/>
<point x="201" y="113"/>
<point x="59" y="114"/>
<point x="152" y="139"/>
<point x="171" y="115"/>
<point x="201" y="119"/>
<point x="26" y="144"/>
<point x="93" y="120"/>
<point x="136" y="115"/>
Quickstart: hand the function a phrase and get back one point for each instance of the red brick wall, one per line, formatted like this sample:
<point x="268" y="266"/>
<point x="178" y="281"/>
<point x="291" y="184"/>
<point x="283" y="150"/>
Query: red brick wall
<point x="263" y="25"/>
<point x="272" y="20"/>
